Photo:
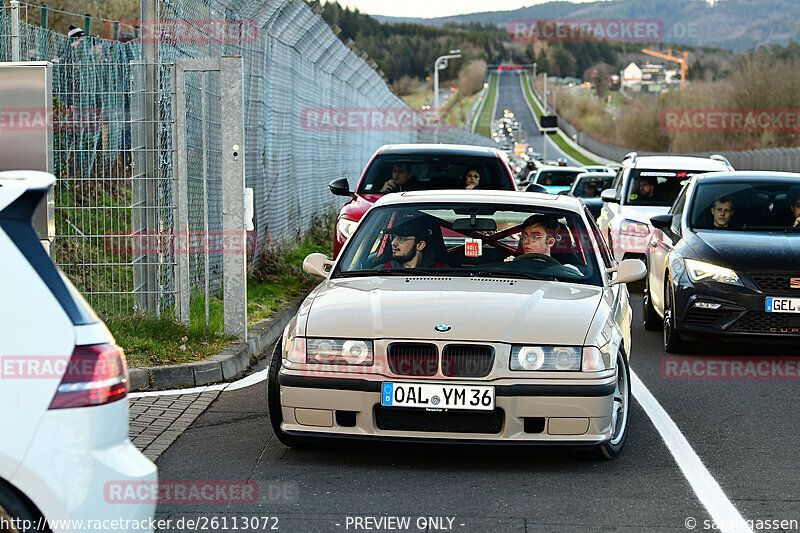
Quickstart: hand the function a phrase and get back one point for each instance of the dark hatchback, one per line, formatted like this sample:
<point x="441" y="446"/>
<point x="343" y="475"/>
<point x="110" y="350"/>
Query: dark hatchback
<point x="588" y="186"/>
<point x="725" y="261"/>
<point x="425" y="167"/>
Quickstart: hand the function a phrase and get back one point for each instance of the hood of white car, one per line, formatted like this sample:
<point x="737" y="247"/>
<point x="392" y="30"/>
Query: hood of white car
<point x="475" y="309"/>
<point x="642" y="213"/>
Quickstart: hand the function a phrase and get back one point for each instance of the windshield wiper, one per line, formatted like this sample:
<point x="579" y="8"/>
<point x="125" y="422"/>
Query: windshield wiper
<point x="394" y="272"/>
<point x="522" y="275"/>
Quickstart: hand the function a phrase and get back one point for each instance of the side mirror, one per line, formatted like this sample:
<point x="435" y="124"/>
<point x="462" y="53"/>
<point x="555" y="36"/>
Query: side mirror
<point x="609" y="195"/>
<point x="340" y="187"/>
<point x="318" y="265"/>
<point x="535" y="187"/>
<point x="662" y="222"/>
<point x="629" y="270"/>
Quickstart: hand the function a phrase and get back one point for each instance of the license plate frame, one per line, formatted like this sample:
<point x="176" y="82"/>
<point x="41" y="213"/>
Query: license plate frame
<point x="474" y="397"/>
<point x="782" y="304"/>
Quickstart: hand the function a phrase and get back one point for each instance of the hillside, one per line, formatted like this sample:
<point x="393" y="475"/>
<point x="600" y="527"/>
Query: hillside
<point x="731" y="24"/>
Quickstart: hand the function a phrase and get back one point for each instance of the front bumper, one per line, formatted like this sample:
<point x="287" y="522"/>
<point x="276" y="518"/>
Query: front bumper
<point x="524" y="412"/>
<point x="741" y="315"/>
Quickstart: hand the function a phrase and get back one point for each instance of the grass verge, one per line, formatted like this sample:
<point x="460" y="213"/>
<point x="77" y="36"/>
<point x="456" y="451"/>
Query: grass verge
<point x="484" y="125"/>
<point x="276" y="277"/>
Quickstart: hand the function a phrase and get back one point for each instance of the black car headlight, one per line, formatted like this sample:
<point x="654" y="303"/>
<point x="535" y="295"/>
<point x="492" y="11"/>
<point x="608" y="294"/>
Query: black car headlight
<point x="702" y="271"/>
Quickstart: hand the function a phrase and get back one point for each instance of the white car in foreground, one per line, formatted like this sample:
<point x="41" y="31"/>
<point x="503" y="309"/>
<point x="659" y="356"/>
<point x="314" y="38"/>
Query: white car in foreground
<point x="462" y="315"/>
<point x="63" y="388"/>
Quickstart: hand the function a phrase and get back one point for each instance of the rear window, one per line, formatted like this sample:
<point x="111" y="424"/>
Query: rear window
<point x="395" y="173"/>
<point x="556" y="178"/>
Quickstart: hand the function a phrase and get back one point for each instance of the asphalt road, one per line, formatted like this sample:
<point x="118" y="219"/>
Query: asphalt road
<point x="745" y="432"/>
<point x="510" y="96"/>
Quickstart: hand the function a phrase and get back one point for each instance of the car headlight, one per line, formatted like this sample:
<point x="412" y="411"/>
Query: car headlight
<point x="701" y="271"/>
<point x="595" y="358"/>
<point x="346" y="227"/>
<point x="338" y="352"/>
<point x="637" y="229"/>
<point x="545" y="358"/>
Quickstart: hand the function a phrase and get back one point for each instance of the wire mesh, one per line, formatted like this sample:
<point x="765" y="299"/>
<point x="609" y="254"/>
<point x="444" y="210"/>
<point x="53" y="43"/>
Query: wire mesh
<point x="113" y="156"/>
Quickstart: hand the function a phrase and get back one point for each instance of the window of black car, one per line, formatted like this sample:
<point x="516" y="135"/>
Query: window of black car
<point x="592" y="187"/>
<point x="437" y="171"/>
<point x="746" y="205"/>
<point x="470" y="240"/>
<point x="558" y="178"/>
<point x="656" y="187"/>
<point x="677" y="209"/>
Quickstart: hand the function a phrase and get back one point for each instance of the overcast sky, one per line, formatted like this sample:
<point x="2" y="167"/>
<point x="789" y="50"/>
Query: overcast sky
<point x="436" y="8"/>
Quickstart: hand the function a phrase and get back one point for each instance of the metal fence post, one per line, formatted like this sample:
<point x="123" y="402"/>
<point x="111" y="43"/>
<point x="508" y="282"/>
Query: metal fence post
<point x="14" y="30"/>
<point x="149" y="181"/>
<point x="234" y="268"/>
<point x="180" y="197"/>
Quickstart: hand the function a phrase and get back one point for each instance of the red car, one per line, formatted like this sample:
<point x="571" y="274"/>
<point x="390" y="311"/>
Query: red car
<point x="417" y="167"/>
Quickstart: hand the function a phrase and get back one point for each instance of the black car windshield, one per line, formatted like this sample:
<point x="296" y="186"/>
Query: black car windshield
<point x="395" y="173"/>
<point x="592" y="186"/>
<point x="463" y="239"/>
<point x="557" y="178"/>
<point x="657" y="187"/>
<point x="747" y="205"/>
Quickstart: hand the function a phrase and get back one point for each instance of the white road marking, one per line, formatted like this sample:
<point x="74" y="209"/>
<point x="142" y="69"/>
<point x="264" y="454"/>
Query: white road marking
<point x="247" y="381"/>
<point x="704" y="485"/>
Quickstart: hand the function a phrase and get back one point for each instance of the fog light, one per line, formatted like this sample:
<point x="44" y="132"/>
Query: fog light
<point x="706" y="305"/>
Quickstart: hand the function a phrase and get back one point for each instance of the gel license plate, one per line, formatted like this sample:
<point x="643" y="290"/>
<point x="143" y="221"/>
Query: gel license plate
<point x="783" y="305"/>
<point x="437" y="396"/>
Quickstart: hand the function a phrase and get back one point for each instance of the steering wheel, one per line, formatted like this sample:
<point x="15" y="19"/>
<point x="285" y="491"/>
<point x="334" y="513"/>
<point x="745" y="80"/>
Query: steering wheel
<point x="537" y="257"/>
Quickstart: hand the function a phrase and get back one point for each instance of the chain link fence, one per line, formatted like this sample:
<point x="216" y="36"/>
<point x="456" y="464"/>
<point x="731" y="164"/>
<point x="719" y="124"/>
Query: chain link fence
<point x="113" y="134"/>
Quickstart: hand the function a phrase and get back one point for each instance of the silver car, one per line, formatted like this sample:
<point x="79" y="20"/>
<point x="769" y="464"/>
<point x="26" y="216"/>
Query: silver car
<point x="462" y="315"/>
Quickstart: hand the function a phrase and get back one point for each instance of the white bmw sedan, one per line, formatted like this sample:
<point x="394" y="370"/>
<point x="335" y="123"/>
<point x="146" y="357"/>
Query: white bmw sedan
<point x="462" y="315"/>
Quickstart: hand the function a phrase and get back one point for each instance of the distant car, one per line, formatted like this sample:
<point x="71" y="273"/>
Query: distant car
<point x="431" y="167"/>
<point x="420" y="337"/>
<point x="646" y="186"/>
<point x="63" y="389"/>
<point x="724" y="263"/>
<point x="588" y="186"/>
<point x="554" y="178"/>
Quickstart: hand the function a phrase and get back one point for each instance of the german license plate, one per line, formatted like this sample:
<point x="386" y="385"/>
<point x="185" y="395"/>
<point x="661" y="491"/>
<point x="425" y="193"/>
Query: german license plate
<point x="437" y="396"/>
<point x="783" y="305"/>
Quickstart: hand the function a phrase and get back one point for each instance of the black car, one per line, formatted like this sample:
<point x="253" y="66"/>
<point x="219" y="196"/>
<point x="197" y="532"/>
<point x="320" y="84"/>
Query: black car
<point x="725" y="261"/>
<point x="588" y="187"/>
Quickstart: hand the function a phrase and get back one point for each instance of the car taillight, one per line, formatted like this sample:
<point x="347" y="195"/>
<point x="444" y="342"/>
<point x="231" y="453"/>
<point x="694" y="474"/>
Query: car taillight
<point x="96" y="375"/>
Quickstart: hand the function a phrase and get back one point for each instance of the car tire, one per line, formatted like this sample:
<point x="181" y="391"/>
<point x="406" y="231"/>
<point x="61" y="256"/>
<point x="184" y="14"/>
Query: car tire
<point x="15" y="509"/>
<point x="612" y="448"/>
<point x="650" y="318"/>
<point x="673" y="343"/>
<point x="274" y="401"/>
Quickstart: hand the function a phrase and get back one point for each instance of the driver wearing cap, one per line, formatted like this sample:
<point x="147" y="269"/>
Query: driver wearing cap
<point x="410" y="246"/>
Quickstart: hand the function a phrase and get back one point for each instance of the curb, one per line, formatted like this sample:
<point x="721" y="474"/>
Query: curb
<point x="227" y="365"/>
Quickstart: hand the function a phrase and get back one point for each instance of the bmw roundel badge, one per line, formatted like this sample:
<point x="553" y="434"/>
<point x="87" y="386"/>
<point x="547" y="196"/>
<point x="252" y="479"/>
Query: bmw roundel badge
<point x="442" y="328"/>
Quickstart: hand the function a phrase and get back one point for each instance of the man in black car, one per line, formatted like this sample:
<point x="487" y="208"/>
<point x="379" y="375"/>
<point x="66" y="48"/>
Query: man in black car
<point x="722" y="210"/>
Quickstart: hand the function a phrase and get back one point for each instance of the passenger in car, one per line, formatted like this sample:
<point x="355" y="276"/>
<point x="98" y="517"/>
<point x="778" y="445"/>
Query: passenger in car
<point x="795" y="208"/>
<point x="401" y="178"/>
<point x="410" y="246"/>
<point x="471" y="178"/>
<point x="722" y="210"/>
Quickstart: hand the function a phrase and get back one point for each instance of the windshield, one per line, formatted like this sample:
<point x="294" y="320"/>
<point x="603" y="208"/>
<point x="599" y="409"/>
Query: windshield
<point x="592" y="186"/>
<point x="747" y="205"/>
<point x="657" y="187"/>
<point x="395" y="173"/>
<point x="508" y="241"/>
<point x="557" y="178"/>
